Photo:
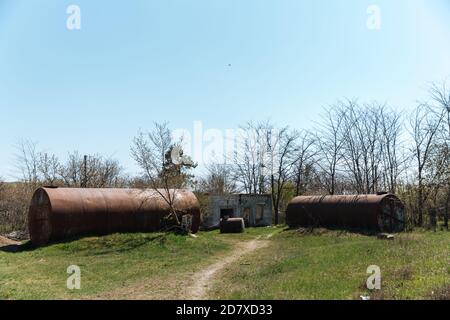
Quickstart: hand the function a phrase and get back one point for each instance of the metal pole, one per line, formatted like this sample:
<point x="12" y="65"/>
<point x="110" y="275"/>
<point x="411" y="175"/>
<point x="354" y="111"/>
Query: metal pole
<point x="84" y="181"/>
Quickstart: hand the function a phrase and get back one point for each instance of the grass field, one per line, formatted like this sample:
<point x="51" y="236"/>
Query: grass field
<point x="292" y="265"/>
<point x="333" y="265"/>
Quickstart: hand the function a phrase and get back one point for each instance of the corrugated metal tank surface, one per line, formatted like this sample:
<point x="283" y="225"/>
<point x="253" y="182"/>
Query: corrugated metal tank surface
<point x="59" y="213"/>
<point x="383" y="213"/>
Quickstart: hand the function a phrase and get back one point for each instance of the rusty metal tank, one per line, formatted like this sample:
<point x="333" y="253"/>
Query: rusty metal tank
<point x="381" y="213"/>
<point x="59" y="213"/>
<point x="232" y="225"/>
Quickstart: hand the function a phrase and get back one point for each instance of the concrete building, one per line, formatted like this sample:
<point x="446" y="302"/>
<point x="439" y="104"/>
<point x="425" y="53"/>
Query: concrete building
<point x="256" y="209"/>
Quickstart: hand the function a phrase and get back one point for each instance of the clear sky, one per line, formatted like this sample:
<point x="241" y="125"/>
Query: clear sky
<point x="223" y="62"/>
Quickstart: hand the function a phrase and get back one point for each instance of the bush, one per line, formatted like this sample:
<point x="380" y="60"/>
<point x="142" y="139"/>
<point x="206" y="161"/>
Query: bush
<point x="14" y="201"/>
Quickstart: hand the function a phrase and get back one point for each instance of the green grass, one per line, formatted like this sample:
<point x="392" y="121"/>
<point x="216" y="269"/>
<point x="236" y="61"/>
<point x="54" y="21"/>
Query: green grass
<point x="332" y="265"/>
<point x="106" y="263"/>
<point x="294" y="265"/>
<point x="110" y="262"/>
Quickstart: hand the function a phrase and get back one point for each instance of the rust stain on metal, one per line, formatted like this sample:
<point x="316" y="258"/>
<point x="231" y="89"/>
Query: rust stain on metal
<point x="59" y="213"/>
<point x="384" y="213"/>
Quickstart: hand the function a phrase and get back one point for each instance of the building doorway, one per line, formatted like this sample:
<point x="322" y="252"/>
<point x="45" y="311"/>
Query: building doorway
<point x="226" y="213"/>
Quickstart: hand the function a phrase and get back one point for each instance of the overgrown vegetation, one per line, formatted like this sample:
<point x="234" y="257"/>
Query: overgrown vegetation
<point x="14" y="202"/>
<point x="324" y="264"/>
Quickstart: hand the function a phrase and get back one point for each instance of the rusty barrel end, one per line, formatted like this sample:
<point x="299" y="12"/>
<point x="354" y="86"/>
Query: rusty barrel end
<point x="39" y="225"/>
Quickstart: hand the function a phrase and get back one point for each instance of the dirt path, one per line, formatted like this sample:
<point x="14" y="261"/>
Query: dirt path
<point x="191" y="286"/>
<point x="203" y="279"/>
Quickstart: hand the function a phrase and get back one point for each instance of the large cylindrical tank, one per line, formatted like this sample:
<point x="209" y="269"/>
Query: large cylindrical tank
<point x="382" y="213"/>
<point x="59" y="213"/>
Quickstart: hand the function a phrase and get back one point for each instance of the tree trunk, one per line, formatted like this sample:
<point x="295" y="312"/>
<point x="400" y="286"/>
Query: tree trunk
<point x="419" y="221"/>
<point x="276" y="216"/>
<point x="446" y="214"/>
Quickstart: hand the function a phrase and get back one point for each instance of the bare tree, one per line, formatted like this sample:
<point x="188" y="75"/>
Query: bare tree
<point x="72" y="171"/>
<point x="17" y="196"/>
<point x="27" y="161"/>
<point x="391" y="129"/>
<point x="49" y="168"/>
<point x="354" y="151"/>
<point x="371" y="145"/>
<point x="93" y="171"/>
<point x="281" y="146"/>
<point x="163" y="164"/>
<point x="360" y="142"/>
<point x="251" y="158"/>
<point x="2" y="194"/>
<point x="425" y="125"/>
<point x="219" y="179"/>
<point x="304" y="161"/>
<point x="330" y="143"/>
<point x="440" y="95"/>
<point x="101" y="172"/>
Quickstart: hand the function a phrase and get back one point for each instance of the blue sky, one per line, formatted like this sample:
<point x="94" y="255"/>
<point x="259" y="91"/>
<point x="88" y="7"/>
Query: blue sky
<point x="135" y="62"/>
